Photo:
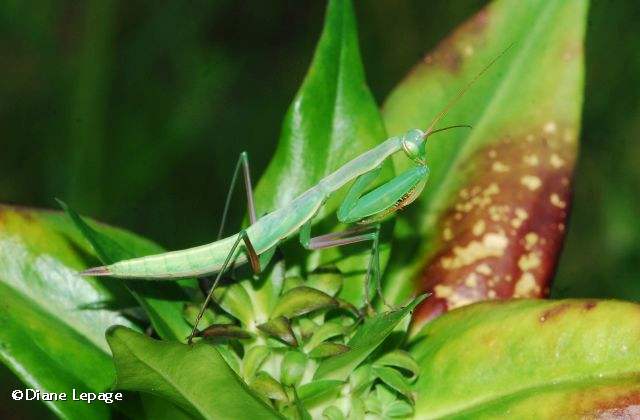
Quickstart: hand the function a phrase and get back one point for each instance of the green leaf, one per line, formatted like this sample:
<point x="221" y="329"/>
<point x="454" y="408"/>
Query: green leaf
<point x="367" y="338"/>
<point x="162" y="301"/>
<point x="491" y="221"/>
<point x="252" y="360"/>
<point x="332" y="119"/>
<point x="318" y="390"/>
<point x="266" y="385"/>
<point x="399" y="359"/>
<point x="328" y="349"/>
<point x="326" y="331"/>
<point x="194" y="377"/>
<point x="46" y="338"/>
<point x="302" y="300"/>
<point x="280" y="328"/>
<point x="394" y="379"/>
<point x="292" y="367"/>
<point x="549" y="359"/>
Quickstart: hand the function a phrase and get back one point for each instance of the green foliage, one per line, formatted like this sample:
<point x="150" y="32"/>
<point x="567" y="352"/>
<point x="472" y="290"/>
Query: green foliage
<point x="292" y="341"/>
<point x="367" y="338"/>
<point x="188" y="376"/>
<point x="555" y="359"/>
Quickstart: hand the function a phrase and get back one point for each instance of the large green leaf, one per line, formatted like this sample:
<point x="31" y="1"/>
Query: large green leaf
<point x="332" y="119"/>
<point x="163" y="302"/>
<point x="194" y="377"/>
<point x="48" y="337"/>
<point x="491" y="221"/>
<point x="531" y="359"/>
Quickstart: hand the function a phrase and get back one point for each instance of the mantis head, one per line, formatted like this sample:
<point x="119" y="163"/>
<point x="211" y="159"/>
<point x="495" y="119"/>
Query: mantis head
<point x="414" y="143"/>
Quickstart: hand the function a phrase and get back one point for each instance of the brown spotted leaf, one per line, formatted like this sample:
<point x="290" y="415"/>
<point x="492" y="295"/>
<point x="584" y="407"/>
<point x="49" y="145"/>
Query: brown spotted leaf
<point x="491" y="221"/>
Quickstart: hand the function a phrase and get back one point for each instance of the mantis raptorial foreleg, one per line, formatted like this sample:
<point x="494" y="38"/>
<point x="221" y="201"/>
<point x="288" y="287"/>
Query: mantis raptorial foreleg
<point x="346" y="237"/>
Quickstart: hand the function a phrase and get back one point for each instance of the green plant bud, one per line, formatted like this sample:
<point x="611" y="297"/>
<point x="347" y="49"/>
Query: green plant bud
<point x="292" y="367"/>
<point x="328" y="349"/>
<point x="280" y="328"/>
<point x="223" y="332"/>
<point x="302" y="300"/>
<point x="265" y="384"/>
<point x="253" y="359"/>
<point x="326" y="281"/>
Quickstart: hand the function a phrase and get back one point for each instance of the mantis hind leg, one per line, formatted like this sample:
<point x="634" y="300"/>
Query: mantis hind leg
<point x="242" y="164"/>
<point x="351" y="236"/>
<point x="255" y="266"/>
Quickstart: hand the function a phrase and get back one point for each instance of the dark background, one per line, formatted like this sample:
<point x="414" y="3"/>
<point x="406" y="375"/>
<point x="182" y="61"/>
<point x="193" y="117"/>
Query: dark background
<point x="135" y="112"/>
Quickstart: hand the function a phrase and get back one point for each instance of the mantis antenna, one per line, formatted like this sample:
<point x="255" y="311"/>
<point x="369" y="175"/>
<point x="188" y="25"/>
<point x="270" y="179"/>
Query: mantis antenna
<point x="460" y="94"/>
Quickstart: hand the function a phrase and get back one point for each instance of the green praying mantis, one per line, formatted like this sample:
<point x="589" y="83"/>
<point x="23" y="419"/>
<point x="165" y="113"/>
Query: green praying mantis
<point x="257" y="243"/>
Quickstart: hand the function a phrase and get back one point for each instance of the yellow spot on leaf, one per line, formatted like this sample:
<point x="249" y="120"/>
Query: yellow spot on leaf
<point x="529" y="261"/>
<point x="530" y="181"/>
<point x="525" y="286"/>
<point x="531" y="160"/>
<point x="484" y="269"/>
<point x="499" y="167"/>
<point x="478" y="227"/>
<point x="557" y="201"/>
<point x="556" y="161"/>
<point x="550" y="127"/>
<point x="492" y="245"/>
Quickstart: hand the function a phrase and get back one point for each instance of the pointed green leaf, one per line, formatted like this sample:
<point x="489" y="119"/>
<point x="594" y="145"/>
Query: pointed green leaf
<point x="162" y="301"/>
<point x="292" y="367"/>
<point x="399" y="359"/>
<point x="367" y="338"/>
<point x="252" y="360"/>
<point x="394" y="379"/>
<point x="318" y="390"/>
<point x="332" y="119"/>
<point x="302" y="300"/>
<point x="328" y="349"/>
<point x="280" y="328"/>
<point x="326" y="331"/>
<point x="327" y="281"/>
<point x="548" y="359"/>
<point x="235" y="300"/>
<point x="266" y="385"/>
<point x="491" y="221"/>
<point x="170" y="369"/>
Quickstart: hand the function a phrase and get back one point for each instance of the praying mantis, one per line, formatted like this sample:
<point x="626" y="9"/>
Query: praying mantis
<point x="257" y="243"/>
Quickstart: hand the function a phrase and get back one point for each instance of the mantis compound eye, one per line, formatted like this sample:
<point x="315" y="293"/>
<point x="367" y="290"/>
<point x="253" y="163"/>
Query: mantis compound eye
<point x="413" y="143"/>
